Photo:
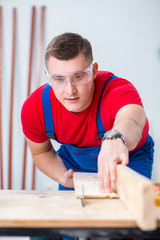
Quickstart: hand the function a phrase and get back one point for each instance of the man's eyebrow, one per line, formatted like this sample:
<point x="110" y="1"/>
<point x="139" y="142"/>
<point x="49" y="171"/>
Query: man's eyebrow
<point x="57" y="75"/>
<point x="79" y="72"/>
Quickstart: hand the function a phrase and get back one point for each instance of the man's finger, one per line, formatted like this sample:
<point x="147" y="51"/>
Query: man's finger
<point x="113" y="172"/>
<point x="104" y="181"/>
<point x="100" y="181"/>
<point x="107" y="182"/>
<point x="69" y="173"/>
<point x="124" y="159"/>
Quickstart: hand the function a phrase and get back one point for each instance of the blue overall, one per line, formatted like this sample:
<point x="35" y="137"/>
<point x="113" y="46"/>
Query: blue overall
<point x="85" y="159"/>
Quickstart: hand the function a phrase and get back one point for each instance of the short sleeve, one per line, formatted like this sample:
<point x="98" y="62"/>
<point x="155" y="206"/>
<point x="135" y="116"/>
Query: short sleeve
<point x="32" y="117"/>
<point x="118" y="93"/>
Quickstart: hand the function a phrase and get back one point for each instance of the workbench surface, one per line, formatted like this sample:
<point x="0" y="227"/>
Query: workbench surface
<point x="61" y="209"/>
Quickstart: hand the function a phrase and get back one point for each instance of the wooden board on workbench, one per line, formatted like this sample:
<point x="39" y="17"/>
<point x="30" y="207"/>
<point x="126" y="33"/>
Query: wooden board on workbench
<point x="60" y="209"/>
<point x="88" y="183"/>
<point x="136" y="192"/>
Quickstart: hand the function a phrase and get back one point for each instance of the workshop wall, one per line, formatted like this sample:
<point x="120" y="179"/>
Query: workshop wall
<point x="125" y="37"/>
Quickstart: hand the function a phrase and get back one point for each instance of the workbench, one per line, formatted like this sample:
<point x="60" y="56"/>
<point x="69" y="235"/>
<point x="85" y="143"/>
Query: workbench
<point x="60" y="213"/>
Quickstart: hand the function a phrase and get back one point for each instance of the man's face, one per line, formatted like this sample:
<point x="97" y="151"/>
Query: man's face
<point x="74" y="98"/>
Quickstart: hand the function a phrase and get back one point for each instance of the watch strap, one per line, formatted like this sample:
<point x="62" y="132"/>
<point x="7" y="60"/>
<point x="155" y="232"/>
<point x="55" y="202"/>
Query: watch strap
<point x="113" y="134"/>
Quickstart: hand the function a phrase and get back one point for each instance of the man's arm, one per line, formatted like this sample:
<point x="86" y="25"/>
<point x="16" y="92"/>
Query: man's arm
<point x="48" y="161"/>
<point x="130" y="121"/>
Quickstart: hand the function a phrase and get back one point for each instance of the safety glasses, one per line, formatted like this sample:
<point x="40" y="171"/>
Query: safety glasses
<point x="76" y="78"/>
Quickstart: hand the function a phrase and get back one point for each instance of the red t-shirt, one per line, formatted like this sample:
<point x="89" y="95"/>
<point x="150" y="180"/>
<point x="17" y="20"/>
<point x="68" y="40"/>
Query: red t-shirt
<point x="80" y="129"/>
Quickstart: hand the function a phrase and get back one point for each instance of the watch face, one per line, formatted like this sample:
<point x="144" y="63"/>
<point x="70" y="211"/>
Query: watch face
<point x="111" y="133"/>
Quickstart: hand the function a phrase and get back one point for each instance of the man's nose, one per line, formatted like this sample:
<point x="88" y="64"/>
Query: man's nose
<point x="70" y="87"/>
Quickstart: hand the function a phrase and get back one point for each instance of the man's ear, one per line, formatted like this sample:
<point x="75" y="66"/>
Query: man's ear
<point x="95" y="70"/>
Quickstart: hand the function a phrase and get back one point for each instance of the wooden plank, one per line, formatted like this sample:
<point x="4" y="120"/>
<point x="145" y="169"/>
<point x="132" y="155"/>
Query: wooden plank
<point x="12" y="99"/>
<point x="38" y="72"/>
<point x="40" y="47"/>
<point x="136" y="192"/>
<point x="32" y="36"/>
<point x="1" y="145"/>
<point x="89" y="181"/>
<point x="60" y="209"/>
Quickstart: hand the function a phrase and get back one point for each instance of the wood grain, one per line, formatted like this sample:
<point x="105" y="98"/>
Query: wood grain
<point x="136" y="192"/>
<point x="89" y="181"/>
<point x="1" y="145"/>
<point x="32" y="37"/>
<point x="12" y="98"/>
<point x="38" y="72"/>
<point x="61" y="209"/>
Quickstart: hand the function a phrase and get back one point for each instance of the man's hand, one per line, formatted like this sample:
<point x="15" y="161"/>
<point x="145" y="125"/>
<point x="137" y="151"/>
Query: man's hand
<point x="130" y="121"/>
<point x="112" y="152"/>
<point x="48" y="161"/>
<point x="67" y="180"/>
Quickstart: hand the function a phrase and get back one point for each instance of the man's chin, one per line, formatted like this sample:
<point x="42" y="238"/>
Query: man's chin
<point x="74" y="109"/>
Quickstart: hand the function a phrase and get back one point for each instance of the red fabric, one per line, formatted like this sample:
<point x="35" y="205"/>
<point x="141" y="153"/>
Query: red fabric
<point x="80" y="129"/>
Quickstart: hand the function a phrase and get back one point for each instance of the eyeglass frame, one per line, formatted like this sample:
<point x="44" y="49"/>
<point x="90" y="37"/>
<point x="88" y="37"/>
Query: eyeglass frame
<point x="86" y="70"/>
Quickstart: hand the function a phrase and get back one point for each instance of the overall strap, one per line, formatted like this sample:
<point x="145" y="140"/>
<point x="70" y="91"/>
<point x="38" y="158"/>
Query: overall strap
<point x="47" y="111"/>
<point x="100" y="127"/>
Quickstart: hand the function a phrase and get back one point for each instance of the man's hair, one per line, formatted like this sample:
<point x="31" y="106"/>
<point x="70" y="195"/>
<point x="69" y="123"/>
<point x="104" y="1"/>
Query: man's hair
<point x="67" y="46"/>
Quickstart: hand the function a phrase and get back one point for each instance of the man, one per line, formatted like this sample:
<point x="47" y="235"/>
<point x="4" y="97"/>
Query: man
<point x="97" y="117"/>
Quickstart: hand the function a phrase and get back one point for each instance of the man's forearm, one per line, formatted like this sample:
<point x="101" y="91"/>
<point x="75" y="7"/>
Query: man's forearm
<point x="48" y="161"/>
<point x="131" y="126"/>
<point x="130" y="131"/>
<point x="50" y="164"/>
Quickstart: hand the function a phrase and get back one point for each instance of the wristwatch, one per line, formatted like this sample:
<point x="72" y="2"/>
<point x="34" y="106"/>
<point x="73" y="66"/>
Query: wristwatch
<point x="113" y="134"/>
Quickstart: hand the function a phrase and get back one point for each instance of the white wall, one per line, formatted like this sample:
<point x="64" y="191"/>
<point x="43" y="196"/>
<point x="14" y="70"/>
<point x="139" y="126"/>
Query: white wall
<point x="125" y="37"/>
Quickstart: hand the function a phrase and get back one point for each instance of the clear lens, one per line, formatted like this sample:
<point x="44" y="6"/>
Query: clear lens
<point x="76" y="78"/>
<point x="57" y="81"/>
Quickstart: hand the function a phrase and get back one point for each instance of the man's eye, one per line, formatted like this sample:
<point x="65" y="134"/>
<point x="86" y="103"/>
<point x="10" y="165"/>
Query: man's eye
<point x="58" y="79"/>
<point x="79" y="76"/>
